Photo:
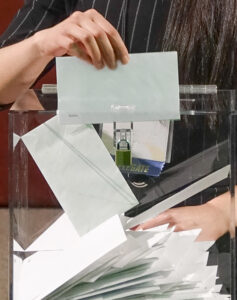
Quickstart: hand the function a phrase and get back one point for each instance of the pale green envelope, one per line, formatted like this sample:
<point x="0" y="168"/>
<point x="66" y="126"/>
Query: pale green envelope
<point x="146" y="89"/>
<point x="81" y="173"/>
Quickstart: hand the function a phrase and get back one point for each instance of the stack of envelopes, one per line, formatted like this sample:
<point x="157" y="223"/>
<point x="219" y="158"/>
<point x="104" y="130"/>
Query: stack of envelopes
<point x="110" y="263"/>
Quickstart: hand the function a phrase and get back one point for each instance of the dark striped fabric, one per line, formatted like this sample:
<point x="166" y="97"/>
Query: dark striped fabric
<point x="141" y="23"/>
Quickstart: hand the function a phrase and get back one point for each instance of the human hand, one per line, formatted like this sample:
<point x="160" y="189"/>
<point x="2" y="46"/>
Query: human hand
<point x="213" y="221"/>
<point x="87" y="35"/>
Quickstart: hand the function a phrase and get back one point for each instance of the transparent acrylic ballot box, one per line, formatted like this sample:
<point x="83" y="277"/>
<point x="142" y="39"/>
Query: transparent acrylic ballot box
<point x="51" y="260"/>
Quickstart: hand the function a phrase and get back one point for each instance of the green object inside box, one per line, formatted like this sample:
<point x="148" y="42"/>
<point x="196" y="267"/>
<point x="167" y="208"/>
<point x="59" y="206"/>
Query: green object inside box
<point x="123" y="157"/>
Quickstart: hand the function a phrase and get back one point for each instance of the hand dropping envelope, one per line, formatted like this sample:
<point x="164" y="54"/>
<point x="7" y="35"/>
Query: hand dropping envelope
<point x="146" y="89"/>
<point x="80" y="172"/>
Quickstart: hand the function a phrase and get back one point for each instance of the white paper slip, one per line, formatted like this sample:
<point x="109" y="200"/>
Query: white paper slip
<point x="54" y="269"/>
<point x="80" y="172"/>
<point x="146" y="89"/>
<point x="61" y="235"/>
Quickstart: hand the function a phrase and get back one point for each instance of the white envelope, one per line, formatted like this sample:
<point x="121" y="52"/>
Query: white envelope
<point x="146" y="89"/>
<point x="80" y="172"/>
<point x="54" y="269"/>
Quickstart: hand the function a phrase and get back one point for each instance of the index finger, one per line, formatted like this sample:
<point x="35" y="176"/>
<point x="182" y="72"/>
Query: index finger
<point x="113" y="35"/>
<point x="159" y="220"/>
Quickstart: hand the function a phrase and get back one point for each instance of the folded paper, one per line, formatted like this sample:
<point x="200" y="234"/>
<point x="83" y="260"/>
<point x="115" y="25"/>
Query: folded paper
<point x="56" y="268"/>
<point x="80" y="172"/>
<point x="109" y="263"/>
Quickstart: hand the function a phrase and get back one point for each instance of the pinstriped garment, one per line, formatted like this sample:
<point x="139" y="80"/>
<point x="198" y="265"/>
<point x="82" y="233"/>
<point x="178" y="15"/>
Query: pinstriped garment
<point x="141" y="23"/>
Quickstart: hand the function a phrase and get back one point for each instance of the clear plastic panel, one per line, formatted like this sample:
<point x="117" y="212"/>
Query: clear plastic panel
<point x="46" y="262"/>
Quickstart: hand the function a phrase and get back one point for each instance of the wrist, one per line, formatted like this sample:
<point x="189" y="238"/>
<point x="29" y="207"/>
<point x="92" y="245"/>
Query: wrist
<point x="38" y="44"/>
<point x="222" y="205"/>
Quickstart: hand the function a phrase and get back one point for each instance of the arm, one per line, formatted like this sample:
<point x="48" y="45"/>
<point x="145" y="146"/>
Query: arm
<point x="86" y="35"/>
<point x="20" y="65"/>
<point x="213" y="217"/>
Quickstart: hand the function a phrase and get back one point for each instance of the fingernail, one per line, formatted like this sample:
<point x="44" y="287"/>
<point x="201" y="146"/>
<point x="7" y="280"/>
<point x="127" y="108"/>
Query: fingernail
<point x="125" y="59"/>
<point x="99" y="65"/>
<point x="139" y="228"/>
<point x="114" y="65"/>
